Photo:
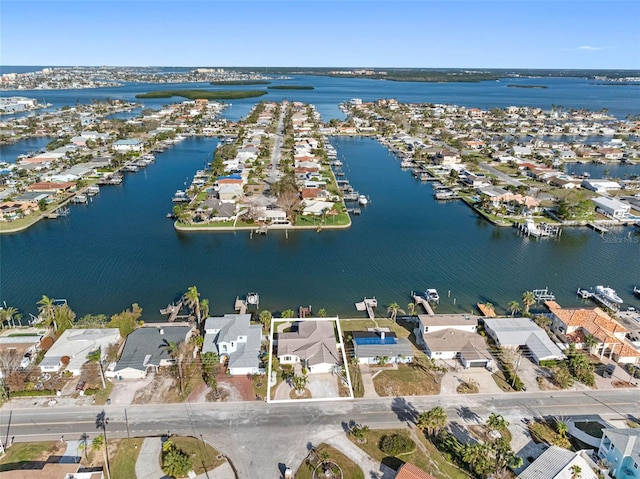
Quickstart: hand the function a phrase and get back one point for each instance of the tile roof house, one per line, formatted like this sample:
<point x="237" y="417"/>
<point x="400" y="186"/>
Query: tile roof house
<point x="369" y="346"/>
<point x="523" y="332"/>
<point x="575" y="324"/>
<point x="313" y="345"/>
<point x="559" y="463"/>
<point x="409" y="471"/>
<point x="236" y="341"/>
<point x="76" y="345"/>
<point x="146" y="350"/>
<point x="621" y="449"/>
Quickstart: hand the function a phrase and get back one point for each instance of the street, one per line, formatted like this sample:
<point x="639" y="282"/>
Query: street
<point x="257" y="436"/>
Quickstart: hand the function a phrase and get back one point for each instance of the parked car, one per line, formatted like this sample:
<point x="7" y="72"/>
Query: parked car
<point x="608" y="370"/>
<point x="80" y="386"/>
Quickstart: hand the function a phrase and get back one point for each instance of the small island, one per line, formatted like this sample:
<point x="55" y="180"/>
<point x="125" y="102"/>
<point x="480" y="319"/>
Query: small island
<point x="203" y="94"/>
<point x="526" y="86"/>
<point x="291" y="87"/>
<point x="241" y="82"/>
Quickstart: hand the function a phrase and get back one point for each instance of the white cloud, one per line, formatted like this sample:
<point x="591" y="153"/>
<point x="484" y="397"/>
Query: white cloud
<point x="585" y="48"/>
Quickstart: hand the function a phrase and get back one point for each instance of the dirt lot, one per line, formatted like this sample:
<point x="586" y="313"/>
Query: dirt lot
<point x="163" y="388"/>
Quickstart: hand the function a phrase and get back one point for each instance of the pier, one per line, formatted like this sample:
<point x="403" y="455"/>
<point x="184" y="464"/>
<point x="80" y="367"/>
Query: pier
<point x="598" y="298"/>
<point x="368" y="305"/>
<point x="172" y="310"/>
<point x="597" y="227"/>
<point x="422" y="301"/>
<point x="543" y="295"/>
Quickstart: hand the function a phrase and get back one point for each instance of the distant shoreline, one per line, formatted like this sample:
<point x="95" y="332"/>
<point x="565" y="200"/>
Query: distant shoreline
<point x="512" y="85"/>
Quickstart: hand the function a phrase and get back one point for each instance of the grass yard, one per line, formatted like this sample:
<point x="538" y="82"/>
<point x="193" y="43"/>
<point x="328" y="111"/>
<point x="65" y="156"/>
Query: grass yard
<point x="349" y="468"/>
<point x="365" y="324"/>
<point x="102" y="395"/>
<point x="501" y="381"/>
<point x="19" y="455"/>
<point x="123" y="462"/>
<point x="203" y="456"/>
<point x="545" y="432"/>
<point x="405" y="381"/>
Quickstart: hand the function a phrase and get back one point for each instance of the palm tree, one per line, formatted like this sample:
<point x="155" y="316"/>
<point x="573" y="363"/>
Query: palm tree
<point x="8" y="314"/>
<point x="497" y="423"/>
<point x="411" y="309"/>
<point x="288" y="313"/>
<point x="97" y="444"/>
<point x="322" y="312"/>
<point x="192" y="298"/>
<point x="265" y="319"/>
<point x="47" y="310"/>
<point x="97" y="357"/>
<point x="514" y="307"/>
<point x="433" y="420"/>
<point x="576" y="472"/>
<point x="64" y="318"/>
<point x="177" y="352"/>
<point x="528" y="300"/>
<point x="204" y="308"/>
<point x="590" y="342"/>
<point x="562" y="428"/>
<point x="394" y="309"/>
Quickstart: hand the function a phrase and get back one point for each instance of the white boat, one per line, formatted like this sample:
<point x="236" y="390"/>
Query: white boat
<point x="608" y="293"/>
<point x="253" y="298"/>
<point x="93" y="190"/>
<point x="363" y="200"/>
<point x="636" y="291"/>
<point x="432" y="295"/>
<point x="180" y="197"/>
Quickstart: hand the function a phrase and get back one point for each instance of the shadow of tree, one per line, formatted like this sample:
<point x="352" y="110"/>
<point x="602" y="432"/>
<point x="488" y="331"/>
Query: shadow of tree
<point x="405" y="411"/>
<point x="462" y="434"/>
<point x="467" y="415"/>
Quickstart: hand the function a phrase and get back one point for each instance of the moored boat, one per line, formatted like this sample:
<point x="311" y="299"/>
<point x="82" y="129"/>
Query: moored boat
<point x="363" y="200"/>
<point x="432" y="295"/>
<point x="608" y="293"/>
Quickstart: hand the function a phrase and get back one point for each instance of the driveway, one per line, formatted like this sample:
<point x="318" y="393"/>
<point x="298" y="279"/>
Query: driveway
<point x="481" y="376"/>
<point x="124" y="390"/>
<point x="320" y="386"/>
<point x="371" y="468"/>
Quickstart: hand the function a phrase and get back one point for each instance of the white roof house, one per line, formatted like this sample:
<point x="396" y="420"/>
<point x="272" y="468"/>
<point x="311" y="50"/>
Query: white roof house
<point x="236" y="341"/>
<point x="558" y="463"/>
<point x="77" y="344"/>
<point x="612" y="207"/>
<point x="437" y="322"/>
<point x="519" y="332"/>
<point x="600" y="186"/>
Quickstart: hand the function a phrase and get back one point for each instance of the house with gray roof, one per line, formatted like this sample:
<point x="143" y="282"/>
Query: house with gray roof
<point x="559" y="463"/>
<point x="370" y="346"/>
<point x="146" y="350"/>
<point x="313" y="345"/>
<point x="621" y="449"/>
<point x="517" y="333"/>
<point x="73" y="347"/>
<point x="450" y="343"/>
<point x="236" y="341"/>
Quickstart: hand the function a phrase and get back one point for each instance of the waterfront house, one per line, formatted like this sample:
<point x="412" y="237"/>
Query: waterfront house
<point x="621" y="449"/>
<point x="236" y="341"/>
<point x="600" y="186"/>
<point x="73" y="347"/>
<point x="370" y="346"/>
<point x="516" y="333"/>
<point x="575" y="324"/>
<point x="469" y="348"/>
<point x="559" y="463"/>
<point x="612" y="207"/>
<point x="125" y="146"/>
<point x="147" y="349"/>
<point x="312" y="345"/>
<point x="438" y="322"/>
<point x="51" y="187"/>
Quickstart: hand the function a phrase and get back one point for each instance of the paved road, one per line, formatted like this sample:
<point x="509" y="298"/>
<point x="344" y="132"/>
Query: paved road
<point x="503" y="176"/>
<point x="257" y="436"/>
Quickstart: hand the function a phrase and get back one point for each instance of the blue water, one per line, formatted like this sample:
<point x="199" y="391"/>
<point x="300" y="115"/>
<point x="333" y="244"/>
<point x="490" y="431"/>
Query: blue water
<point x="10" y="152"/>
<point x="121" y="248"/>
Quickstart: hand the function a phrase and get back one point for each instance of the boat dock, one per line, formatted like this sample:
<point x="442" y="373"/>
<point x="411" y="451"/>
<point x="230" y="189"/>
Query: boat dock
<point x="422" y="301"/>
<point x="486" y="309"/>
<point x="368" y="305"/>
<point x="598" y="298"/>
<point x="240" y="306"/>
<point x="172" y="310"/>
<point x="543" y="295"/>
<point x="597" y="227"/>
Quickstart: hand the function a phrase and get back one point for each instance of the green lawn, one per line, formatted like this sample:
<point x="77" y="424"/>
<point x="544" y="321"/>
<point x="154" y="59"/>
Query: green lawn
<point x="203" y="456"/>
<point x="427" y="457"/>
<point x="20" y="454"/>
<point x="405" y="381"/>
<point x="102" y="395"/>
<point x="123" y="462"/>
<point x="350" y="469"/>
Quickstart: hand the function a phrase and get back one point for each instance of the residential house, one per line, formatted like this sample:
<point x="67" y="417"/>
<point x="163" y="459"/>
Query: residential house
<point x="51" y="187"/>
<point x="147" y="349"/>
<point x="559" y="463"/>
<point x="236" y="342"/>
<point x="446" y="158"/>
<point x="621" y="449"/>
<point x="515" y="333"/>
<point x="370" y="346"/>
<point x="600" y="186"/>
<point x="453" y="336"/>
<point x="612" y="207"/>
<point x="576" y="324"/>
<point x="313" y="345"/>
<point x="54" y="470"/>
<point x="73" y="347"/>
<point x="409" y="471"/>
<point x="125" y="146"/>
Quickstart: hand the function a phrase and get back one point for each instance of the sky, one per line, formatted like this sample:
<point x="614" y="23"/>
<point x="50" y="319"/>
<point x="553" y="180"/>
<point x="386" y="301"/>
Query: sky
<point x="566" y="34"/>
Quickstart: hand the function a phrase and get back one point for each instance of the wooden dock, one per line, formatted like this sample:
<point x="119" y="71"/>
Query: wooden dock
<point x="368" y="305"/>
<point x="597" y="227"/>
<point x="240" y="305"/>
<point x="486" y="310"/>
<point x="172" y="310"/>
<point x="422" y="301"/>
